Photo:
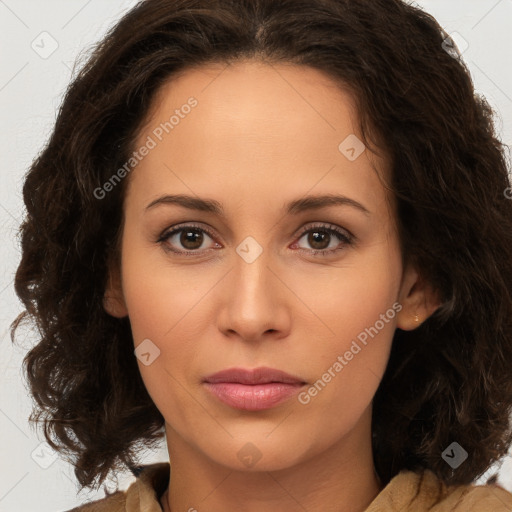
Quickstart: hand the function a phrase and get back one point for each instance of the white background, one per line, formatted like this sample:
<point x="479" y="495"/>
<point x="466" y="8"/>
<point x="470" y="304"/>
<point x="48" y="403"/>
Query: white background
<point x="31" y="89"/>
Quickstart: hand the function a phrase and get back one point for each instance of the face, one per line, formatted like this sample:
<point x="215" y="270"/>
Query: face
<point x="270" y="277"/>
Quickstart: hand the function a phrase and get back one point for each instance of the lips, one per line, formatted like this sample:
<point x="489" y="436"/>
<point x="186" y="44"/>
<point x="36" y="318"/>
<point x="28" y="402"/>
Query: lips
<point x="260" y="375"/>
<point x="253" y="390"/>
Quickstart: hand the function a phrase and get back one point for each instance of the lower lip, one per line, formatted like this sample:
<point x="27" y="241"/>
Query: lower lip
<point x="253" y="397"/>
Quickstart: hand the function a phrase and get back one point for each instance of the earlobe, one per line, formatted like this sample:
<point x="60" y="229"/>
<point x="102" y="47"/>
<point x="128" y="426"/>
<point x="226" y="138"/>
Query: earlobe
<point x="418" y="299"/>
<point x="113" y="307"/>
<point x="113" y="300"/>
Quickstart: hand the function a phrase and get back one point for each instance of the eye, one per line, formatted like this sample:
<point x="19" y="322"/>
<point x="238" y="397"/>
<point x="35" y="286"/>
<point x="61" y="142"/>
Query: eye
<point x="322" y="238"/>
<point x="190" y="237"/>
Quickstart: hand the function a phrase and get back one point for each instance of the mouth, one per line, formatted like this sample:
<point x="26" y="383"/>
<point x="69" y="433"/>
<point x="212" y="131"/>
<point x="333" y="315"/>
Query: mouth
<point x="253" y="390"/>
<point x="261" y="375"/>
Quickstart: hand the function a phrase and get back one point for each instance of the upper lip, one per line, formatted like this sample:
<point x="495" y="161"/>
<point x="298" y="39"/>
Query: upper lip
<point x="261" y="375"/>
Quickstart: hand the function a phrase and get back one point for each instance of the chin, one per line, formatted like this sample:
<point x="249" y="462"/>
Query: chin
<point x="258" y="453"/>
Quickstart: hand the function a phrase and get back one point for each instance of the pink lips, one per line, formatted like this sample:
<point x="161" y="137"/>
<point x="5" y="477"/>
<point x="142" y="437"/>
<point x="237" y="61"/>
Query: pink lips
<point x="253" y="390"/>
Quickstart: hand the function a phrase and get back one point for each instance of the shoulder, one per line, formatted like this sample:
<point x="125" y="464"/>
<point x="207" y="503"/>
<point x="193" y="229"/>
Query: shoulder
<point x="112" y="503"/>
<point x="422" y="491"/>
<point x="142" y="495"/>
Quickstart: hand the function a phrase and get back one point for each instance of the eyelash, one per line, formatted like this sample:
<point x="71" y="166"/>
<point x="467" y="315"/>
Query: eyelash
<point x="343" y="236"/>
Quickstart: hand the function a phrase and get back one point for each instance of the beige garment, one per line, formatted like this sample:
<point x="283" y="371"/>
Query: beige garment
<point x="407" y="491"/>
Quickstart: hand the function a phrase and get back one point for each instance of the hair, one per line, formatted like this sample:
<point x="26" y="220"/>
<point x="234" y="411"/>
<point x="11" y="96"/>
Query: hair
<point x="447" y="380"/>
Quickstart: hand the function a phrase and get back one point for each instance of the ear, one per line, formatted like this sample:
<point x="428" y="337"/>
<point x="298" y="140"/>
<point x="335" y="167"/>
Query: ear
<point x="113" y="298"/>
<point x="418" y="300"/>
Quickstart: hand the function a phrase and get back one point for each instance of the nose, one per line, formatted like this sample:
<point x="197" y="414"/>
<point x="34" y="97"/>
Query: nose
<point x="255" y="302"/>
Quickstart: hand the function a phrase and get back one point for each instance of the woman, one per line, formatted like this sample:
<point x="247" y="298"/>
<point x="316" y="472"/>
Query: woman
<point x="277" y="234"/>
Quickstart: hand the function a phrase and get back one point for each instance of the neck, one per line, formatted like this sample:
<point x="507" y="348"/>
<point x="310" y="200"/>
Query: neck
<point x="340" y="479"/>
<point x="371" y="490"/>
<point x="164" y="501"/>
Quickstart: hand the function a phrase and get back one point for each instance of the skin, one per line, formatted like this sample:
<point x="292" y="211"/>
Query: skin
<point x="263" y="135"/>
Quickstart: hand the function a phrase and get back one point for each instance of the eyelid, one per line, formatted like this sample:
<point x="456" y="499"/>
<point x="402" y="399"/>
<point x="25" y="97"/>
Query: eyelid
<point x="168" y="232"/>
<point x="326" y="226"/>
<point x="344" y="234"/>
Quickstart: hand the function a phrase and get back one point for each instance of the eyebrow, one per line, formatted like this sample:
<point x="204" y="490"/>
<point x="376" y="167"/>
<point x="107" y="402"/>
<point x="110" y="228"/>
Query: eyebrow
<point x="294" y="207"/>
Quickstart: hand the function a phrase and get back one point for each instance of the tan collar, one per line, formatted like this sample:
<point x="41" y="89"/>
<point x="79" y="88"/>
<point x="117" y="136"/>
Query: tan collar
<point x="407" y="491"/>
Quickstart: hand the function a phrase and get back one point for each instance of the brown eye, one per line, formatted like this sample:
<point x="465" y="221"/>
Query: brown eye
<point x="317" y="239"/>
<point x="191" y="239"/>
<point x="325" y="240"/>
<point x="185" y="240"/>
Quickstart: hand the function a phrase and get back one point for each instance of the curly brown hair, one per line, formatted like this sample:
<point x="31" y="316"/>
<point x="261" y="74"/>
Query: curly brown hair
<point x="449" y="379"/>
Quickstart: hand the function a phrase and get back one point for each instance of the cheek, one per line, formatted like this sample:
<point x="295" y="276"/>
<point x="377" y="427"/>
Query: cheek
<point x="161" y="301"/>
<point x="357" y="307"/>
<point x="157" y="294"/>
<point x="346" y="300"/>
<point x="165" y="306"/>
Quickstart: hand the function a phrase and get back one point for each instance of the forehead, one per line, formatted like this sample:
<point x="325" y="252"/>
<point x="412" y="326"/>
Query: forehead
<point x="252" y="97"/>
<point x="254" y="124"/>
